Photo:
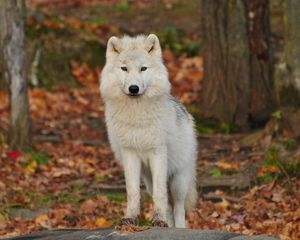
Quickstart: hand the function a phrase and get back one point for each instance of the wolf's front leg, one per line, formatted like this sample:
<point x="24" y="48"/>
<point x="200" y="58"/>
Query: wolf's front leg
<point x="158" y="164"/>
<point x="132" y="169"/>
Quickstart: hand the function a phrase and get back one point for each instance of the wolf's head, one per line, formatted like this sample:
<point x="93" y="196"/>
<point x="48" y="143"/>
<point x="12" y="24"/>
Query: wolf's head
<point x="134" y="68"/>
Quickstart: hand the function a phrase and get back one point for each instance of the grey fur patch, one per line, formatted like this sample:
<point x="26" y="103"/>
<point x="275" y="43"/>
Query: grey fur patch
<point x="181" y="111"/>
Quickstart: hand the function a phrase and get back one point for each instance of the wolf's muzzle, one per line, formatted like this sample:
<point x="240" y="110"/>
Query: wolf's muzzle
<point x="134" y="90"/>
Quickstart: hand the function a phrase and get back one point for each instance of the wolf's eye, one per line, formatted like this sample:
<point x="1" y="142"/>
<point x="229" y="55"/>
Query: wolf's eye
<point x="143" y="69"/>
<point x="124" y="69"/>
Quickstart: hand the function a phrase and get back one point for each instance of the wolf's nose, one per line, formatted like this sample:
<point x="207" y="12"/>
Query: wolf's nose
<point x="133" y="89"/>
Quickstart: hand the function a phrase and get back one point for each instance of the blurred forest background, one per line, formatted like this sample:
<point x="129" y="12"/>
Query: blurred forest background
<point x="235" y="65"/>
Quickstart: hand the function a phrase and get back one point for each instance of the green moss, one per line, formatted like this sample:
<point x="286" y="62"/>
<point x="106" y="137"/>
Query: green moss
<point x="98" y="20"/>
<point x="290" y="144"/>
<point x="289" y="96"/>
<point x="122" y="6"/>
<point x="186" y="7"/>
<point x="116" y="197"/>
<point x="145" y="222"/>
<point x="55" y="68"/>
<point x="177" y="41"/>
<point x="216" y="173"/>
<point x="58" y="50"/>
<point x="41" y="158"/>
<point x="210" y="125"/>
<point x="286" y="168"/>
<point x="293" y="168"/>
<point x="93" y="53"/>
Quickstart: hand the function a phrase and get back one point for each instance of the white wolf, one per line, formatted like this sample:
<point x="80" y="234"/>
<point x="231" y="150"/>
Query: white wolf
<point x="151" y="134"/>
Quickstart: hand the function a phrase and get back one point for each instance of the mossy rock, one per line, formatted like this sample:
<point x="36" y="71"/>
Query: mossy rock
<point x="58" y="49"/>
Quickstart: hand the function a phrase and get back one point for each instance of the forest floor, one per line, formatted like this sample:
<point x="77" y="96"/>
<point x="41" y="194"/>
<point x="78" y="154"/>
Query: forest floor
<point x="71" y="180"/>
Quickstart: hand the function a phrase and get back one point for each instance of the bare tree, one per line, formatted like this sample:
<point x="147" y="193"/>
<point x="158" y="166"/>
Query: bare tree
<point x="12" y="46"/>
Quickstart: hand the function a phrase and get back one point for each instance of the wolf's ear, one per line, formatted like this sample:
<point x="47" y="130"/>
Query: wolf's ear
<point x="113" y="47"/>
<point x="152" y="45"/>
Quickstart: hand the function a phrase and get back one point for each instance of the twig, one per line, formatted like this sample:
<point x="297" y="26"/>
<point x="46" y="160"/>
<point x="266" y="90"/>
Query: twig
<point x="109" y="187"/>
<point x="215" y="197"/>
<point x="284" y="172"/>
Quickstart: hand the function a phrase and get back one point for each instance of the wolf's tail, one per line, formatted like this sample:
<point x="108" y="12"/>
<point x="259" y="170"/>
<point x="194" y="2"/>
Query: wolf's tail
<point x="192" y="196"/>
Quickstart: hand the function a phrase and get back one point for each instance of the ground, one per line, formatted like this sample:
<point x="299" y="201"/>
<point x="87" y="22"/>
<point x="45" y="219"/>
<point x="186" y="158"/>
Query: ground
<point x="71" y="179"/>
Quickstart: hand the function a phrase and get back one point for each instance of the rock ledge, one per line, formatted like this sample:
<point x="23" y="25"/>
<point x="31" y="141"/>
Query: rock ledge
<point x="151" y="234"/>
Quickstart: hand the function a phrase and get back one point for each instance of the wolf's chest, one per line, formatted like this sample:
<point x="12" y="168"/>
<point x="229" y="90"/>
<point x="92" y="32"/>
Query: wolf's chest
<point x="141" y="138"/>
<point x="143" y="130"/>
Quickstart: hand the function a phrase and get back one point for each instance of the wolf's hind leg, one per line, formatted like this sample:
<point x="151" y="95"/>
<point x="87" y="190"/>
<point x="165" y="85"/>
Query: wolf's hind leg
<point x="147" y="179"/>
<point x="170" y="216"/>
<point x="178" y="188"/>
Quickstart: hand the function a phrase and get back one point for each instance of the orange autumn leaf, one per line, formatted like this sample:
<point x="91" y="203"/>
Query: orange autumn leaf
<point x="44" y="221"/>
<point x="228" y="166"/>
<point x="101" y="222"/>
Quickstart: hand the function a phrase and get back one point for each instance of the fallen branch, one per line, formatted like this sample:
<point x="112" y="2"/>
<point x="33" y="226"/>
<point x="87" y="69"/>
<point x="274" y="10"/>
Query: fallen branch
<point x="214" y="197"/>
<point x="57" y="139"/>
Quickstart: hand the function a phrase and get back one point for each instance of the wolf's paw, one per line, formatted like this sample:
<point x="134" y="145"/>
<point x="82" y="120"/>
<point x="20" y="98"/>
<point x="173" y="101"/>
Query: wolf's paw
<point x="159" y="223"/>
<point x="127" y="222"/>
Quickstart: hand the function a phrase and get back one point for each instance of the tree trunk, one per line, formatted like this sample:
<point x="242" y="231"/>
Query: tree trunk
<point x="262" y="88"/>
<point x="12" y="44"/>
<point x="288" y="70"/>
<point x="226" y="60"/>
<point x="238" y="83"/>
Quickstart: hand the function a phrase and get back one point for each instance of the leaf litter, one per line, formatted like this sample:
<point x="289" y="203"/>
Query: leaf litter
<point x="68" y="128"/>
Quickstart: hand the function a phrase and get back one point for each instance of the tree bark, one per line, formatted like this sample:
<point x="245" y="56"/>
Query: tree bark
<point x="288" y="70"/>
<point x="225" y="60"/>
<point x="238" y="83"/>
<point x="12" y="44"/>
<point x="262" y="88"/>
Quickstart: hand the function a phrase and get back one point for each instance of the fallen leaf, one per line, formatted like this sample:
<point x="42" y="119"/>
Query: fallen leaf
<point x="3" y="223"/>
<point x="88" y="206"/>
<point x="43" y="221"/>
<point x="14" y="154"/>
<point x="228" y="166"/>
<point x="31" y="167"/>
<point x="101" y="222"/>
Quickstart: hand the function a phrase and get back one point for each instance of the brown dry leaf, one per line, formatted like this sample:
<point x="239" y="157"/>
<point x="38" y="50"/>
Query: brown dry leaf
<point x="168" y="55"/>
<point x="74" y="22"/>
<point x="43" y="221"/>
<point x="59" y="172"/>
<point x="2" y="185"/>
<point x="59" y="214"/>
<point x="88" y="206"/>
<point x="215" y="214"/>
<point x="277" y="197"/>
<point x="132" y="228"/>
<point x="262" y="171"/>
<point x="3" y="223"/>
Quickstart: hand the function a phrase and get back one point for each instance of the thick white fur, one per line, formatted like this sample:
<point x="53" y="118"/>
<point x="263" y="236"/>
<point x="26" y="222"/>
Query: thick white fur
<point x="151" y="135"/>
